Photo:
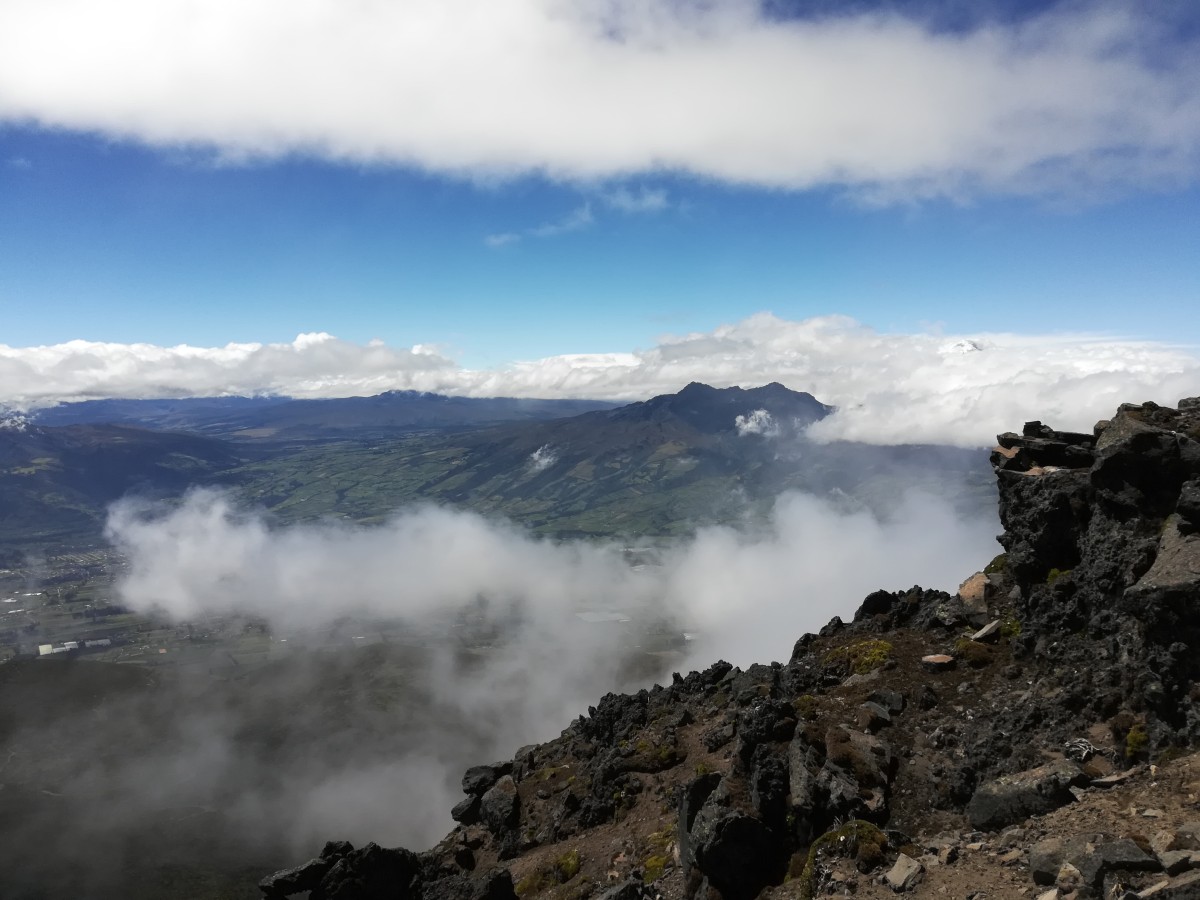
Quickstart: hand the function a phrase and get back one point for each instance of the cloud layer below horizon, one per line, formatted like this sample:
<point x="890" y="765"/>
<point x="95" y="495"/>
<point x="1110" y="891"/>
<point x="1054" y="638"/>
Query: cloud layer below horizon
<point x="448" y="575"/>
<point x="890" y="388"/>
<point x="1083" y="97"/>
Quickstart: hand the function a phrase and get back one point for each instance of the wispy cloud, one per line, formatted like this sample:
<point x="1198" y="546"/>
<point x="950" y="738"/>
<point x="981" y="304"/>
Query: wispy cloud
<point x="576" y="220"/>
<point x="503" y="239"/>
<point x="890" y="388"/>
<point x="646" y="200"/>
<point x="18" y="162"/>
<point x="1077" y="98"/>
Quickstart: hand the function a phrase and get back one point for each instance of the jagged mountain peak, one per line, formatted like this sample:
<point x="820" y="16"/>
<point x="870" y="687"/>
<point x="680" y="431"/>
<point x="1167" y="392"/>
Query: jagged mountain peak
<point x="712" y="410"/>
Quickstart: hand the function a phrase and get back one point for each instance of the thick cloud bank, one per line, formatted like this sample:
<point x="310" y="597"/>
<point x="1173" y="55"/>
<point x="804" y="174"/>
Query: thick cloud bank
<point x="1077" y="97"/>
<point x="890" y="388"/>
<point x="475" y="647"/>
<point x="754" y="592"/>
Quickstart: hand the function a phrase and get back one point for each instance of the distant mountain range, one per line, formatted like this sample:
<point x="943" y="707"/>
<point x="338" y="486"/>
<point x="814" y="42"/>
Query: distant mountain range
<point x="250" y="418"/>
<point x="664" y="466"/>
<point x="659" y="467"/>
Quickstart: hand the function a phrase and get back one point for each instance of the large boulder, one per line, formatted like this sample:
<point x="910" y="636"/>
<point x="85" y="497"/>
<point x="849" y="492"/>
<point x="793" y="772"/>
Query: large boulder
<point x="302" y="878"/>
<point x="736" y="852"/>
<point x="371" y="873"/>
<point x="1121" y="855"/>
<point x="731" y="849"/>
<point x="1014" y="798"/>
<point x="1047" y="856"/>
<point x="500" y="808"/>
<point x="478" y="779"/>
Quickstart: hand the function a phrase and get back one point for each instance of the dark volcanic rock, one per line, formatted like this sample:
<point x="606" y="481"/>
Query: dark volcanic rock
<point x="1014" y="798"/>
<point x="305" y="877"/>
<point x="478" y="779"/>
<point x="691" y="801"/>
<point x="735" y="852"/>
<point x="500" y="808"/>
<point x="371" y="873"/>
<point x="1111" y="856"/>
<point x="466" y="810"/>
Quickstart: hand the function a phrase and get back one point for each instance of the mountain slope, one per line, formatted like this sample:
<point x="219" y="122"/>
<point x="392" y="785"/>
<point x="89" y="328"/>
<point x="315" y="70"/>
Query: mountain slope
<point x="56" y="482"/>
<point x="663" y="466"/>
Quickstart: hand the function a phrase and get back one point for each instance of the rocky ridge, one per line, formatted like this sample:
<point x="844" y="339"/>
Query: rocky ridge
<point x="1030" y="735"/>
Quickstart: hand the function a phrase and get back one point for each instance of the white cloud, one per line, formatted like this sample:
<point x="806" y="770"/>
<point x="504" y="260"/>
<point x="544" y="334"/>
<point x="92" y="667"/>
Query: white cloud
<point x="576" y="220"/>
<point x="543" y="458"/>
<point x="503" y="239"/>
<point x="760" y="422"/>
<point x="1085" y="96"/>
<point x="890" y="388"/>
<point x="748" y="597"/>
<point x="313" y="365"/>
<point x="646" y="200"/>
<point x="207" y="556"/>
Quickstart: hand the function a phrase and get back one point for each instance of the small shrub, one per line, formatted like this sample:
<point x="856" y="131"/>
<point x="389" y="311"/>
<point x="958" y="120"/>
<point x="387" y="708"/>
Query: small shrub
<point x="566" y="866"/>
<point x="1136" y="741"/>
<point x="975" y="654"/>
<point x="531" y="884"/>
<point x="702" y="769"/>
<point x="805" y="706"/>
<point x="661" y="841"/>
<point x="561" y="871"/>
<point x="998" y="565"/>
<point x="1010" y="627"/>
<point x="856" y="838"/>
<point x="861" y="658"/>
<point x="1055" y="574"/>
<point x="652" y="868"/>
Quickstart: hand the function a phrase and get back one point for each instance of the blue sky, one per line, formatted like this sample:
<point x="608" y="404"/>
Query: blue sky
<point x="117" y="242"/>
<point x="512" y="187"/>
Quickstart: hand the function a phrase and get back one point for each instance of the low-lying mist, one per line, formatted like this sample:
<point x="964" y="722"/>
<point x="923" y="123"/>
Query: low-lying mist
<point x="404" y="652"/>
<point x="748" y="592"/>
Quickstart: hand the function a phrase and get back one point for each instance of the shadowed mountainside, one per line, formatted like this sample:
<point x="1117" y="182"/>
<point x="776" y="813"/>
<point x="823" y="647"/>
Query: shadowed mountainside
<point x="56" y="482"/>
<point x="282" y="418"/>
<point x="663" y="466"/>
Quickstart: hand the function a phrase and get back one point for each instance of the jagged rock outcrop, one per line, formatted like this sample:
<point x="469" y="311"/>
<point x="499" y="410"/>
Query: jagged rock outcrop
<point x="893" y="745"/>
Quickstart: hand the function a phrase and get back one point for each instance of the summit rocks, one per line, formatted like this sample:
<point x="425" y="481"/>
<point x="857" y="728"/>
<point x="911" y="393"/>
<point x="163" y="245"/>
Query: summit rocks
<point x="1048" y="752"/>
